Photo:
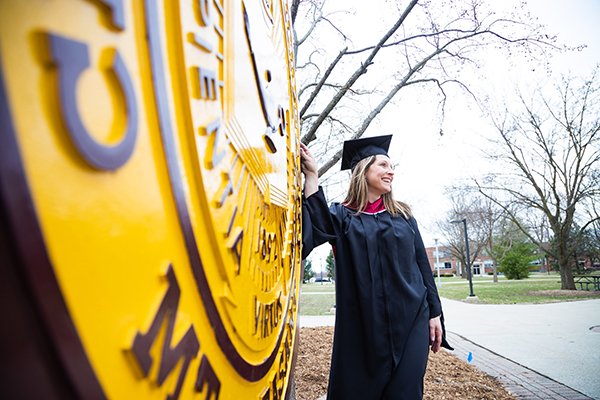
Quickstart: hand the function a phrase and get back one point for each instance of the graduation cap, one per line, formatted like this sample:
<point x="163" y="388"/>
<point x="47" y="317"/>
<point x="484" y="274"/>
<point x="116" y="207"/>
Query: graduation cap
<point x="357" y="149"/>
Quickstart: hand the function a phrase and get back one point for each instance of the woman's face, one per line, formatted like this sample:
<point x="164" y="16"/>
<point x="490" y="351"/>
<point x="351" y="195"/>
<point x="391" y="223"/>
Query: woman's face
<point x="380" y="175"/>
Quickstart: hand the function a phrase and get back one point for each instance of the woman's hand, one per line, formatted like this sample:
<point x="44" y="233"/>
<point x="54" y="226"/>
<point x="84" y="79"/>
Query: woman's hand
<point x="435" y="334"/>
<point x="308" y="163"/>
<point x="309" y="168"/>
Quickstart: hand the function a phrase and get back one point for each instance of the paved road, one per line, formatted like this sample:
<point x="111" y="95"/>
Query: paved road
<point x="553" y="339"/>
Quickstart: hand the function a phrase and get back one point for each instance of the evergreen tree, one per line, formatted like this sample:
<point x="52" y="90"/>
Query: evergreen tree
<point x="330" y="265"/>
<point x="308" y="272"/>
<point x="590" y="245"/>
<point x="513" y="250"/>
<point x="516" y="260"/>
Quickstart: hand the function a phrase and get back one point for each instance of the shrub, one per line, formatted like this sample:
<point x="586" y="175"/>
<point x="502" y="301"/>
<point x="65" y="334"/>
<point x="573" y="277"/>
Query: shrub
<point x="515" y="263"/>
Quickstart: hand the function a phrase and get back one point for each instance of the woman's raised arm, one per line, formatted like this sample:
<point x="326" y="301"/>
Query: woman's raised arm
<point x="310" y="170"/>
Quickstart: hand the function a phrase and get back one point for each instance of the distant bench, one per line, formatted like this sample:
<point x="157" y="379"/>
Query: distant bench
<point x="587" y="281"/>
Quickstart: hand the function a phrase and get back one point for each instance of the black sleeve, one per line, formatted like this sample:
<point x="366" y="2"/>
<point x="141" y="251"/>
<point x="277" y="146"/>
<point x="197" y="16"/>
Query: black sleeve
<point x="433" y="299"/>
<point x="317" y="225"/>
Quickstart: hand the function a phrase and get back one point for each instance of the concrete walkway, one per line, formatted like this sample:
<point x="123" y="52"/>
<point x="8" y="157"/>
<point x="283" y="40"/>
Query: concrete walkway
<point x="522" y="382"/>
<point x="553" y="339"/>
<point x="538" y="351"/>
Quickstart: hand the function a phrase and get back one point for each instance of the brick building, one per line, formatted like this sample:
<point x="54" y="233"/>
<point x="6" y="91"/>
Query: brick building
<point x="448" y="264"/>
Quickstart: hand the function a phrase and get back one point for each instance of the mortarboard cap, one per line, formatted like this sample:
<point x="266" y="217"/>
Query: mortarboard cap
<point x="357" y="149"/>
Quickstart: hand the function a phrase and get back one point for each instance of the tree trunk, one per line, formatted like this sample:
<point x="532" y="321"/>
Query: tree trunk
<point x="566" y="274"/>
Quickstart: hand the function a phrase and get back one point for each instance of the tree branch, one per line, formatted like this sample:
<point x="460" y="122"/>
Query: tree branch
<point x="321" y="82"/>
<point x="311" y="134"/>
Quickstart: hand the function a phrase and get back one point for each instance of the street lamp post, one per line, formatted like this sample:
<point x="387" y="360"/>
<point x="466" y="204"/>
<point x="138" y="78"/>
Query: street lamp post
<point x="322" y="266"/>
<point x="437" y="263"/>
<point x="464" y="222"/>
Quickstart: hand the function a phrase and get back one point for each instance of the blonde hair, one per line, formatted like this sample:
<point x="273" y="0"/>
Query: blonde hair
<point x="357" y="192"/>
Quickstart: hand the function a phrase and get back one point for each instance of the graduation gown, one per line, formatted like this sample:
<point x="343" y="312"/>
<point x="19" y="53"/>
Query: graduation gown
<point x="385" y="296"/>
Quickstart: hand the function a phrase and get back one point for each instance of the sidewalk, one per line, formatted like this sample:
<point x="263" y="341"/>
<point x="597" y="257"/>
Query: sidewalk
<point x="554" y="340"/>
<point x="537" y="351"/>
<point x="517" y="379"/>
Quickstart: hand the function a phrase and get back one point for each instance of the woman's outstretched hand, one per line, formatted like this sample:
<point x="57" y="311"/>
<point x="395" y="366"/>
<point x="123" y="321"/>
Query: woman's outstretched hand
<point x="309" y="168"/>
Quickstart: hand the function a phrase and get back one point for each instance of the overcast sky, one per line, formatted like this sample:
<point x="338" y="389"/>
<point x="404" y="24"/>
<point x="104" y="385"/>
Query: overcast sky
<point x="456" y="155"/>
<point x="427" y="162"/>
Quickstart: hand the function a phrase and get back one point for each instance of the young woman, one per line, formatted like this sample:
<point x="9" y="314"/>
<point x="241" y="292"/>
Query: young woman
<point x="388" y="313"/>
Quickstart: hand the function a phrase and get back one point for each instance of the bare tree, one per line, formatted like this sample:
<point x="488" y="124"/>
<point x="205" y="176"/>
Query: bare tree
<point x="470" y="206"/>
<point x="428" y="44"/>
<point x="493" y="223"/>
<point x="549" y="155"/>
<point x="488" y="222"/>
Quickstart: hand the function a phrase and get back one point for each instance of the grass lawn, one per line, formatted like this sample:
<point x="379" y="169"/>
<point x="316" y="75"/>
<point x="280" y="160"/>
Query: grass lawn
<point x="318" y="287"/>
<point x="317" y="298"/>
<point x="540" y="288"/>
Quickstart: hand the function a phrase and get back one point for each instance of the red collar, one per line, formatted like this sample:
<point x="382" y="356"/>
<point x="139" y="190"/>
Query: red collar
<point x="370" y="208"/>
<point x="375" y="206"/>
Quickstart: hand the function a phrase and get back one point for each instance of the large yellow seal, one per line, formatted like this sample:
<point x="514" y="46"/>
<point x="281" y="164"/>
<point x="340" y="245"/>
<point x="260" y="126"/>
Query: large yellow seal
<point x="150" y="198"/>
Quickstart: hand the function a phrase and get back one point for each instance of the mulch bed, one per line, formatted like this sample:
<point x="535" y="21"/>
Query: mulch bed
<point x="447" y="376"/>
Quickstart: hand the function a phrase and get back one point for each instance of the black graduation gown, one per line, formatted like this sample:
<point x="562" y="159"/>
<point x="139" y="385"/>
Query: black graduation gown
<point x="385" y="296"/>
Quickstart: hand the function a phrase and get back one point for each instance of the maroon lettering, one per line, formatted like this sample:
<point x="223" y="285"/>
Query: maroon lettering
<point x="235" y="243"/>
<point x="187" y="348"/>
<point x="207" y="377"/>
<point x="267" y="316"/>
